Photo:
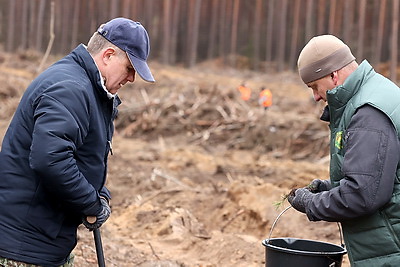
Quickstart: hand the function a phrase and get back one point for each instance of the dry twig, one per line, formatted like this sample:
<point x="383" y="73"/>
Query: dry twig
<point x="152" y="251"/>
<point x="51" y="40"/>
<point x="232" y="219"/>
<point x="158" y="172"/>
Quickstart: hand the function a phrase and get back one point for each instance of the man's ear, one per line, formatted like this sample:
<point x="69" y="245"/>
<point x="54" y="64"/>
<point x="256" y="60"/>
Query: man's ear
<point x="107" y="54"/>
<point x="335" y="77"/>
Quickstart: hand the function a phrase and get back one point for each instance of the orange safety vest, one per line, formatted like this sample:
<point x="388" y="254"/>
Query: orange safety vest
<point x="265" y="98"/>
<point x="245" y="92"/>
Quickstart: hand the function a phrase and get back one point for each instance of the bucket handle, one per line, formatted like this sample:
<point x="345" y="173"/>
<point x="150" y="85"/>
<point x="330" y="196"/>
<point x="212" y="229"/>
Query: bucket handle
<point x="283" y="211"/>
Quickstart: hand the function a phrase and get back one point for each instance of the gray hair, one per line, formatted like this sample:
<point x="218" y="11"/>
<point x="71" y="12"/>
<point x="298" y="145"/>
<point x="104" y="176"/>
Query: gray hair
<point x="97" y="43"/>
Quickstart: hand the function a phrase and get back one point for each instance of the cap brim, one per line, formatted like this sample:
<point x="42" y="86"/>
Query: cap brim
<point x="141" y="68"/>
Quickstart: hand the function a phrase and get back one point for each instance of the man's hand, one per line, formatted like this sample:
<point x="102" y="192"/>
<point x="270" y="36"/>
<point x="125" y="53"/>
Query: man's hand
<point x="101" y="217"/>
<point x="299" y="200"/>
<point x="318" y="185"/>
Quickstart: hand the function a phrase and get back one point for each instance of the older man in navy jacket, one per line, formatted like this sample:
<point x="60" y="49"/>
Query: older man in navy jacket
<point x="53" y="161"/>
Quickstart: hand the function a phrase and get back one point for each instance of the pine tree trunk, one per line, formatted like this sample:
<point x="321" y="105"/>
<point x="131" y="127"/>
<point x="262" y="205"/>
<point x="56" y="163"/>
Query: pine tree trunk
<point x="11" y="26"/>
<point x="309" y="19"/>
<point x="222" y="30"/>
<point x="114" y="9"/>
<point x="166" y="31"/>
<point x="40" y="25"/>
<point x="295" y="35"/>
<point x="394" y="41"/>
<point x="321" y="16"/>
<point x="75" y="24"/>
<point x="270" y="30"/>
<point x="174" y="31"/>
<point x="194" y="19"/>
<point x="234" y="29"/>
<point x="213" y="29"/>
<point x="379" y="36"/>
<point x="257" y="33"/>
<point x="332" y="19"/>
<point x="339" y="18"/>
<point x="126" y="9"/>
<point x="347" y="21"/>
<point x="282" y="36"/>
<point x="24" y="25"/>
<point x="361" y="28"/>
<point x="92" y="8"/>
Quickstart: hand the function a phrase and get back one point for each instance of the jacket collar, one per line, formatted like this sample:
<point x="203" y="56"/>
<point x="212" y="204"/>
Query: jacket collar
<point x="86" y="61"/>
<point x="338" y="97"/>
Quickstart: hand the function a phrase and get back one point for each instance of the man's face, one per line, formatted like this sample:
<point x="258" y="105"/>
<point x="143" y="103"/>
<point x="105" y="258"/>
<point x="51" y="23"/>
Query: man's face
<point x="321" y="86"/>
<point x="118" y="71"/>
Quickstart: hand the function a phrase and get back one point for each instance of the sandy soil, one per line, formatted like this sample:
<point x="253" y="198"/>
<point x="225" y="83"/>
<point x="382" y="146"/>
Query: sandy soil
<point x="196" y="171"/>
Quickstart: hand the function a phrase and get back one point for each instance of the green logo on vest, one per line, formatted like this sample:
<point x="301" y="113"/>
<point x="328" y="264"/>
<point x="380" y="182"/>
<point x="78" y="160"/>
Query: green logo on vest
<point x="338" y="140"/>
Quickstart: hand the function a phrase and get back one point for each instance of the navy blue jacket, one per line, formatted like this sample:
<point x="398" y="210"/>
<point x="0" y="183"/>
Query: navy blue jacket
<point x="53" y="161"/>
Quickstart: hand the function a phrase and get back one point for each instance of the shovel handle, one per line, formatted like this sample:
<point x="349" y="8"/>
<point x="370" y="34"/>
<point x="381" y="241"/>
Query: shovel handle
<point x="97" y="242"/>
<point x="99" y="248"/>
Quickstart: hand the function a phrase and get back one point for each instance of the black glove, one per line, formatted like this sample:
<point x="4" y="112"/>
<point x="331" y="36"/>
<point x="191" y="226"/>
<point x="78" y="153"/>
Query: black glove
<point x="299" y="200"/>
<point x="318" y="185"/>
<point x="101" y="217"/>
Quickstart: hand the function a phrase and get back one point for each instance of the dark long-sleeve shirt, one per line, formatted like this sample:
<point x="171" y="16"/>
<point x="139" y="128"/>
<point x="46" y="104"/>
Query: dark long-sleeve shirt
<point x="372" y="151"/>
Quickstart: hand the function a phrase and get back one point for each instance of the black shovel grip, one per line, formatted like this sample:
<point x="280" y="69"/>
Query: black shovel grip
<point x="99" y="248"/>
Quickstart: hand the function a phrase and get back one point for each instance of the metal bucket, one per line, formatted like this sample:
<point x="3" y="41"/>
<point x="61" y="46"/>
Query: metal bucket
<point x="300" y="252"/>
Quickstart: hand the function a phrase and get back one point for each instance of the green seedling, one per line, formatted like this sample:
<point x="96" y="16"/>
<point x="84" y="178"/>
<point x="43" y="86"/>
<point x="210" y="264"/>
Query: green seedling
<point x="278" y="204"/>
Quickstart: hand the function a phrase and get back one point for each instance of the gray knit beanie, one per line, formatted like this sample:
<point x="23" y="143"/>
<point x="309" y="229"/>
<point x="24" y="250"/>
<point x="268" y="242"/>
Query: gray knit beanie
<point x="321" y="56"/>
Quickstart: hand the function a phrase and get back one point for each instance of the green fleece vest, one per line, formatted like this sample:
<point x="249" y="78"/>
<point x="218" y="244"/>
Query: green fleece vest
<point x="372" y="240"/>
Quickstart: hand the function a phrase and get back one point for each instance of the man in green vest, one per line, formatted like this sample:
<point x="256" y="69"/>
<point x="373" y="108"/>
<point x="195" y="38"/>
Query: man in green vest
<point x="363" y="192"/>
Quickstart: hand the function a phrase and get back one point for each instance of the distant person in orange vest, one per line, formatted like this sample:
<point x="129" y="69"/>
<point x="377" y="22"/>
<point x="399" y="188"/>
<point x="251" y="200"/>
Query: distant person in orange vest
<point x="245" y="92"/>
<point x="265" y="98"/>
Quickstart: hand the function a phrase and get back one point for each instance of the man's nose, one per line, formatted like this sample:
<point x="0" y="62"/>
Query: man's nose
<point x="131" y="76"/>
<point x="317" y="97"/>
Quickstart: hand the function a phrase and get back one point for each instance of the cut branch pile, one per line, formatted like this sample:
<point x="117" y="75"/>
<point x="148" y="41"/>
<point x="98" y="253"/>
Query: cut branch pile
<point x="211" y="116"/>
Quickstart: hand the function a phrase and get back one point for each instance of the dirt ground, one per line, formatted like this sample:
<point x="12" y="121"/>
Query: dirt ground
<point x="196" y="172"/>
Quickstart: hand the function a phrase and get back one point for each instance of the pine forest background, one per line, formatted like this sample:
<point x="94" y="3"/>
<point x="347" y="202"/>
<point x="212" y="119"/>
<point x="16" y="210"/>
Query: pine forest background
<point x="262" y="35"/>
